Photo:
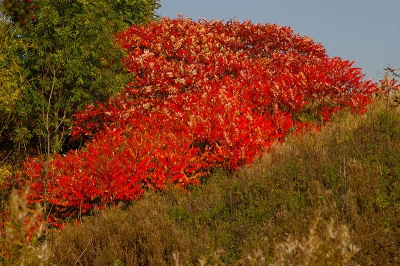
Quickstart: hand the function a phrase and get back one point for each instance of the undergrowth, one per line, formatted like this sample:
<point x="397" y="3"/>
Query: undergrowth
<point x="21" y="241"/>
<point x="329" y="198"/>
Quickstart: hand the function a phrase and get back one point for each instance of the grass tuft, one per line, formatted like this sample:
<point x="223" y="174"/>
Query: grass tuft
<point x="21" y="240"/>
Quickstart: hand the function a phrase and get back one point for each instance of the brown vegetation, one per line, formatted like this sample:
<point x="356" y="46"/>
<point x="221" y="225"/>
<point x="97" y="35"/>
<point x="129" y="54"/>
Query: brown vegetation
<point x="329" y="198"/>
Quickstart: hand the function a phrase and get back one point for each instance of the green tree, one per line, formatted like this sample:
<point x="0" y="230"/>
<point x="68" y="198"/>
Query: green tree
<point x="12" y="80"/>
<point x="18" y="11"/>
<point x="65" y="57"/>
<point x="9" y="90"/>
<point x="70" y="60"/>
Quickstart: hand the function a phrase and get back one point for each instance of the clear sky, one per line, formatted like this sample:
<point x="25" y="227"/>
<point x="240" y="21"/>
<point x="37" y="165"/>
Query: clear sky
<point x="364" y="31"/>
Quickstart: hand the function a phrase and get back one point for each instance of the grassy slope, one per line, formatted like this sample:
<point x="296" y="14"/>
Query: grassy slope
<point x="347" y="177"/>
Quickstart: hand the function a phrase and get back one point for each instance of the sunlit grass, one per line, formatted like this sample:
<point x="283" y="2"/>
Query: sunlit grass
<point x="329" y="198"/>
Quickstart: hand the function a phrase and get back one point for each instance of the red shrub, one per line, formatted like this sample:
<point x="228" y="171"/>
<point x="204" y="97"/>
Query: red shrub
<point x="205" y="94"/>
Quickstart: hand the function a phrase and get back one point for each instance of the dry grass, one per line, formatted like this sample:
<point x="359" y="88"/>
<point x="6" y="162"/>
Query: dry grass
<point x="326" y="244"/>
<point x="351" y="172"/>
<point x="142" y="234"/>
<point x="21" y="242"/>
<point x="329" y="198"/>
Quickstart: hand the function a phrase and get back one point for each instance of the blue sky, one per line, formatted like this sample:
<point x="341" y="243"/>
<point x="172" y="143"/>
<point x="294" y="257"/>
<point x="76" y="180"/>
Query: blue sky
<point x="364" y="31"/>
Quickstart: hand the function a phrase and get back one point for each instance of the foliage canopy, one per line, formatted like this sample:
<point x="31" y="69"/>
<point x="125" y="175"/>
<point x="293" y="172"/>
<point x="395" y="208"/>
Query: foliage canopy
<point x="203" y="95"/>
<point x="69" y="58"/>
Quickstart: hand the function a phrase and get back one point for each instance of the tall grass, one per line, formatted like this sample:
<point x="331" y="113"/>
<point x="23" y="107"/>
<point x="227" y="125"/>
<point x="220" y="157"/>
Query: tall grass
<point x="329" y="198"/>
<point x="21" y="242"/>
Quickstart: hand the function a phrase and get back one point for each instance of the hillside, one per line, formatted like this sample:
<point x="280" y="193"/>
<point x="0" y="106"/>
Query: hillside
<point x="317" y="199"/>
<point x="176" y="142"/>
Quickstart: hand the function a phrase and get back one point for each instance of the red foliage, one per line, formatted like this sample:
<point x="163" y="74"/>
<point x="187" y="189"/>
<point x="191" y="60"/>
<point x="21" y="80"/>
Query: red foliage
<point x="205" y="94"/>
<point x="116" y="166"/>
